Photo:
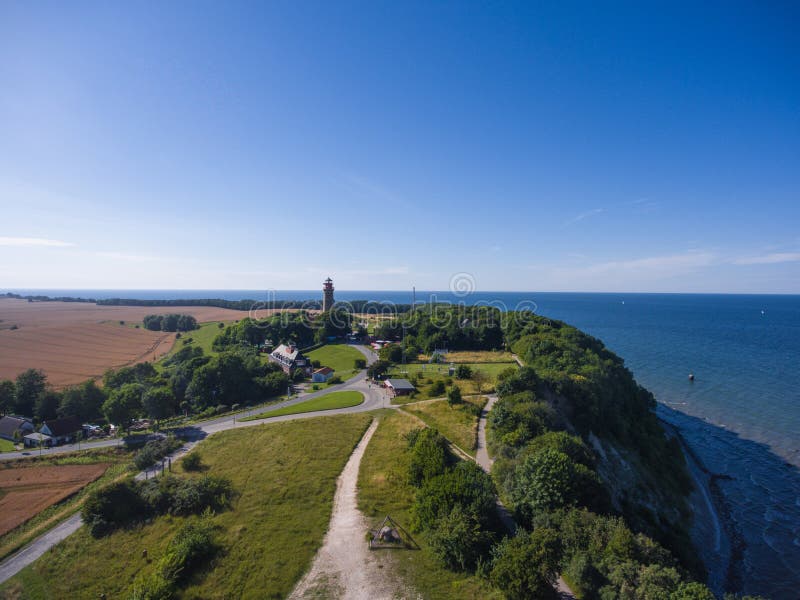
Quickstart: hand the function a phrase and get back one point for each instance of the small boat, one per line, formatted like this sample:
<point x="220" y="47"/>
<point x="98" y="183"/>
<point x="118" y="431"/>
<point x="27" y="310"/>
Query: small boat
<point x="691" y="376"/>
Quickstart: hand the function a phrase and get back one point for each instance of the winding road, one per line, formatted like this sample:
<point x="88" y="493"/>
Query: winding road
<point x="374" y="398"/>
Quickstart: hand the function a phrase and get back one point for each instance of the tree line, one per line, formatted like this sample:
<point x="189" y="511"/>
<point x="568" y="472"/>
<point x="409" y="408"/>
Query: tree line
<point x="170" y="322"/>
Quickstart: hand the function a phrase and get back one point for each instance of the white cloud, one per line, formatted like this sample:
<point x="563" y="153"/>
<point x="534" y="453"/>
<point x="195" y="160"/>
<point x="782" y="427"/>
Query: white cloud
<point x="127" y="257"/>
<point x="28" y="242"/>
<point x="584" y="215"/>
<point x="769" y="259"/>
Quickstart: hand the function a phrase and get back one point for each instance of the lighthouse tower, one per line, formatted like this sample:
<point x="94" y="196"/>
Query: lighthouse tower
<point x="327" y="295"/>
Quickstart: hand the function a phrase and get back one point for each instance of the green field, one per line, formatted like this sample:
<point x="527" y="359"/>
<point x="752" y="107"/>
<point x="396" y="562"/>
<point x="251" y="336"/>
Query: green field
<point x="202" y="337"/>
<point x="268" y="538"/>
<point x="424" y="376"/>
<point x="383" y="490"/>
<point x="458" y="423"/>
<point x="339" y="357"/>
<point x="6" y="446"/>
<point x="326" y="402"/>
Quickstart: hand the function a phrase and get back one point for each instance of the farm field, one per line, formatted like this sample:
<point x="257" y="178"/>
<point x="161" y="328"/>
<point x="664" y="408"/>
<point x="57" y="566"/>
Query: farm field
<point x="72" y="341"/>
<point x="458" y="423"/>
<point x="384" y="490"/>
<point x="268" y="538"/>
<point x="476" y="356"/>
<point x="326" y="402"/>
<point x="29" y="490"/>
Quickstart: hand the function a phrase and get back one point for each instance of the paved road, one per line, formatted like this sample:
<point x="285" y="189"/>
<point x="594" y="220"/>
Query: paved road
<point x="374" y="398"/>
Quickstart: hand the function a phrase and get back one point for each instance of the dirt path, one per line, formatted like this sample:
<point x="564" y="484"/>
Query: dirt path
<point x="345" y="567"/>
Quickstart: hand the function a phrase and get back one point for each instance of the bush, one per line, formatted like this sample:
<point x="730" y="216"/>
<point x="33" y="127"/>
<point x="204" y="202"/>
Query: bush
<point x="154" y="450"/>
<point x="459" y="541"/>
<point x="107" y="508"/>
<point x="429" y="455"/>
<point x="454" y="396"/>
<point x="463" y="372"/>
<point x="437" y="389"/>
<point x="335" y="379"/>
<point x="192" y="462"/>
<point x="360" y="363"/>
<point x="466" y="486"/>
<point x="525" y="566"/>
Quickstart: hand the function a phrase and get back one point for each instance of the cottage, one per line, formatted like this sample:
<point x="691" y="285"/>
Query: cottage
<point x="63" y="430"/>
<point x="322" y="375"/>
<point x="290" y="358"/>
<point x="399" y="387"/>
<point x="34" y="440"/>
<point x="9" y="425"/>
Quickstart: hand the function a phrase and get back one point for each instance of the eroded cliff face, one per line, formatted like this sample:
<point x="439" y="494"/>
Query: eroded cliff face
<point x="638" y="491"/>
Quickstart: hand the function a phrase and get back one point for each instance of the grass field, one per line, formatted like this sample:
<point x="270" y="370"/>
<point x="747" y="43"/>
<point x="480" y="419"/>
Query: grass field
<point x="326" y="402"/>
<point x="477" y="356"/>
<point x="202" y="337"/>
<point x="339" y="357"/>
<point x="268" y="538"/>
<point x="6" y="446"/>
<point x="458" y="423"/>
<point x="383" y="490"/>
<point x="426" y="375"/>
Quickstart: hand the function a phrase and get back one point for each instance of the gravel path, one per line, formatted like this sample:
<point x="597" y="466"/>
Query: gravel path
<point x="345" y="567"/>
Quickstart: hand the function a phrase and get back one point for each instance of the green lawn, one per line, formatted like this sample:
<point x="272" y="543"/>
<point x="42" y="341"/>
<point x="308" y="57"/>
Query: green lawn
<point x="426" y="375"/>
<point x="458" y="423"/>
<point x="326" y="402"/>
<point x="339" y="357"/>
<point x="6" y="446"/>
<point x="202" y="337"/>
<point x="285" y="475"/>
<point x="383" y="490"/>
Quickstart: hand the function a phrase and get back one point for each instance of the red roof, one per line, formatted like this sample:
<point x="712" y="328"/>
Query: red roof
<point x="324" y="370"/>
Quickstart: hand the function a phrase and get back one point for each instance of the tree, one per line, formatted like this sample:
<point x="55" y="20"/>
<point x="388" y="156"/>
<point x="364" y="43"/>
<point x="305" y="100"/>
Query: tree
<point x="159" y="403"/>
<point x="360" y="363"/>
<point x="454" y="396"/>
<point x="692" y="591"/>
<point x="525" y="566"/>
<point x="7" y="396"/>
<point x="84" y="401"/>
<point x="465" y="485"/>
<point x="124" y="404"/>
<point x="29" y="386"/>
<point x="429" y="455"/>
<point x="377" y="369"/>
<point x="458" y="540"/>
<point x="480" y="379"/>
<point x="544" y="481"/>
<point x="463" y="372"/>
<point x="46" y="406"/>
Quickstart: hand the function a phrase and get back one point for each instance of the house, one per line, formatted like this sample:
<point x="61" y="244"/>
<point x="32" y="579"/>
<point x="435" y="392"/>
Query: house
<point x="34" y="440"/>
<point x="322" y="375"/>
<point x="290" y="358"/>
<point x="399" y="387"/>
<point x="9" y="425"/>
<point x="63" y="430"/>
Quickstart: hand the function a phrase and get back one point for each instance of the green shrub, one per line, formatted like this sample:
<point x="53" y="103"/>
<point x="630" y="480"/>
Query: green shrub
<point x="459" y="541"/>
<point x="429" y="455"/>
<point x="335" y="379"/>
<point x="437" y="389"/>
<point x="192" y="462"/>
<point x="454" y="396"/>
<point x="463" y="372"/>
<point x="360" y="363"/>
<point x="466" y="486"/>
<point x="525" y="566"/>
<point x="109" y="507"/>
<point x="154" y="450"/>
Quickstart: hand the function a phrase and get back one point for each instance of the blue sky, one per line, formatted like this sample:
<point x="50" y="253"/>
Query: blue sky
<point x="536" y="146"/>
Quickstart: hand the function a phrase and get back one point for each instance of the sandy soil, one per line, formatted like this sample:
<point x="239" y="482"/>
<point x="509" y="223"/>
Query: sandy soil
<point x="75" y="341"/>
<point x="345" y="567"/>
<point x="29" y="490"/>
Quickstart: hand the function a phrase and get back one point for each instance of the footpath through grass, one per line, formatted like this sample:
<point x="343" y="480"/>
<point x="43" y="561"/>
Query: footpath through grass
<point x="458" y="423"/>
<point x="384" y="490"/>
<point x="285" y="476"/>
<point x="326" y="402"/>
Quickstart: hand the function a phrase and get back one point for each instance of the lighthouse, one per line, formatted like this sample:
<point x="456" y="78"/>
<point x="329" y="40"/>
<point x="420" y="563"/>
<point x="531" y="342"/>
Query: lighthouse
<point x="327" y="295"/>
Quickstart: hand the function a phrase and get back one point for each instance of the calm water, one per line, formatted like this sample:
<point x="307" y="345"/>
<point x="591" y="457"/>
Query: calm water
<point x="741" y="415"/>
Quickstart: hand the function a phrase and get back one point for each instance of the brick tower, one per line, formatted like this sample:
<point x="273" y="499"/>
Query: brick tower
<point x="327" y="295"/>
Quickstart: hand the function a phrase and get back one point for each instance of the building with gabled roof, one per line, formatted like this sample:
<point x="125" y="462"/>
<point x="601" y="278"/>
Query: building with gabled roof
<point x="289" y="358"/>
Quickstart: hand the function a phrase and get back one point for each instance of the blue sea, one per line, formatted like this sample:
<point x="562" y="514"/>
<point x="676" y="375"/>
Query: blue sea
<point x="740" y="415"/>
